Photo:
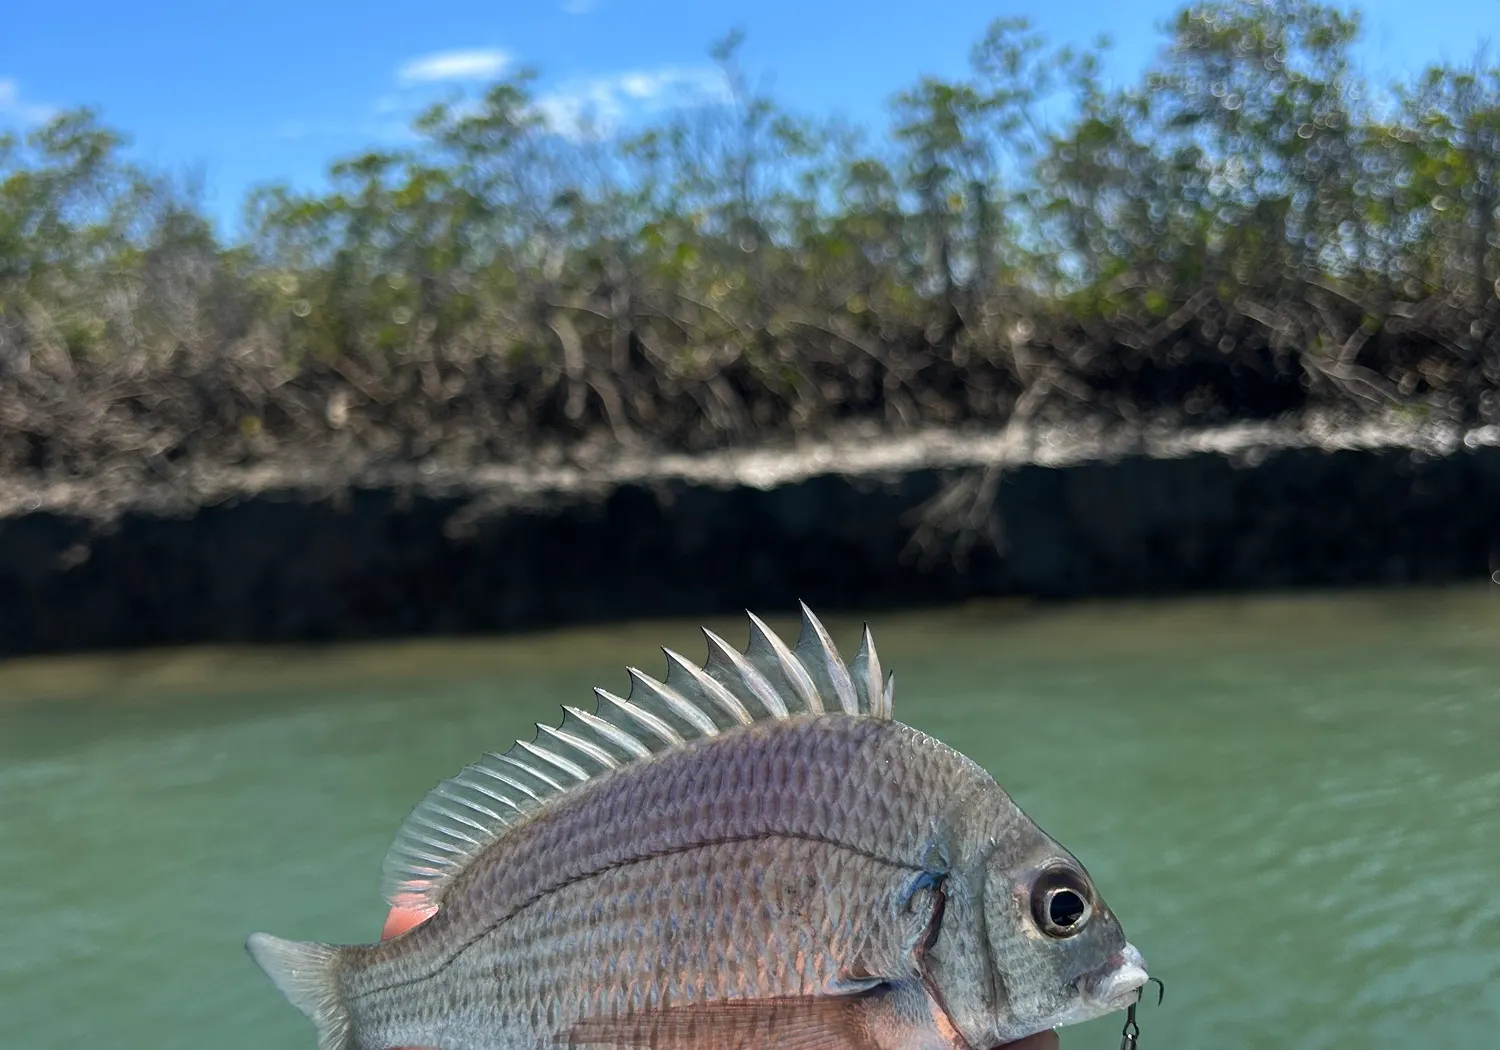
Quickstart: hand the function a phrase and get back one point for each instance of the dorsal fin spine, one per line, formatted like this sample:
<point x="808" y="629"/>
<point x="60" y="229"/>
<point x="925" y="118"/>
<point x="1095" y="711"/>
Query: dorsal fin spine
<point x="507" y="781"/>
<point x="463" y="820"/>
<point x="735" y="664"/>
<point x="791" y="668"/>
<point x="833" y="664"/>
<point x="483" y="811"/>
<point x="866" y="673"/>
<point x="663" y="732"/>
<point x="768" y="681"/>
<point x="721" y="653"/>
<point x="701" y="682"/>
<point x="621" y="739"/>
<point x="530" y="771"/>
<point x="441" y="847"/>
<point x="598" y="754"/>
<point x="674" y="700"/>
<point x="553" y="759"/>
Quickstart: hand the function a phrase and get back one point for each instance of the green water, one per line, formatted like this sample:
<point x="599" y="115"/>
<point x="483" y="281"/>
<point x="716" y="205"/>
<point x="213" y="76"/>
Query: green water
<point x="1292" y="804"/>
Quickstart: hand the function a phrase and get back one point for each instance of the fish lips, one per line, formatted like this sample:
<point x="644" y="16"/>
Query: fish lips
<point x="1116" y="984"/>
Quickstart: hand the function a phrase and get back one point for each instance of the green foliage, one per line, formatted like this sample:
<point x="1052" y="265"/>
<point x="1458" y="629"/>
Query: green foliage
<point x="1251" y="230"/>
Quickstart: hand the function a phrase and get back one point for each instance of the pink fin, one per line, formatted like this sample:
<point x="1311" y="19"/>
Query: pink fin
<point x="822" y="1023"/>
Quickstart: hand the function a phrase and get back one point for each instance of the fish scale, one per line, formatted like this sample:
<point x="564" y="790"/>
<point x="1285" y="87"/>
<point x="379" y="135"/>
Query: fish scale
<point x="749" y="853"/>
<point x="852" y="783"/>
<point x="761" y="944"/>
<point x="699" y="816"/>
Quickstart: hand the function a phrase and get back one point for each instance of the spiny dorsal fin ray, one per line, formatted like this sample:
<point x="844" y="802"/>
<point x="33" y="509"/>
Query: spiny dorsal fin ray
<point x="865" y="671"/>
<point x="816" y="651"/>
<point x="730" y="670"/>
<point x="769" y="681"/>
<point x="778" y="664"/>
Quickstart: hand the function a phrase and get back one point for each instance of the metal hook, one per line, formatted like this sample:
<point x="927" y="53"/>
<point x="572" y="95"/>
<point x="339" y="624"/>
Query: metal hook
<point x="1132" y="1031"/>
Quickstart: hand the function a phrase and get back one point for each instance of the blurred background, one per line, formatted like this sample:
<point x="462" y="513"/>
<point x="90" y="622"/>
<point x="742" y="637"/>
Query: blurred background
<point x="373" y="381"/>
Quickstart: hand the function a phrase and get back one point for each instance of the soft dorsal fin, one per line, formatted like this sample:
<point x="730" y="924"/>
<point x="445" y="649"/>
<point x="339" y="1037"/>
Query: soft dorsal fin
<point x="768" y="681"/>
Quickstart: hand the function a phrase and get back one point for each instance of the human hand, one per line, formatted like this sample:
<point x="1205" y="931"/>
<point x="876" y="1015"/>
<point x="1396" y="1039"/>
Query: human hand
<point x="402" y="919"/>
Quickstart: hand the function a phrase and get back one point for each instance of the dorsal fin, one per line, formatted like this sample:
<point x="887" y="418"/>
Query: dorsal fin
<point x="768" y="681"/>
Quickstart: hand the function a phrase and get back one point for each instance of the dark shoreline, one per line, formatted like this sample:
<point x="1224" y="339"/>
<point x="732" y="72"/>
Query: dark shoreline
<point x="294" y="557"/>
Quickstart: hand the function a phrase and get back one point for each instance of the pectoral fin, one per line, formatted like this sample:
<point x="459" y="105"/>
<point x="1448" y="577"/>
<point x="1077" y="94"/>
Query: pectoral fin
<point x="820" y="1023"/>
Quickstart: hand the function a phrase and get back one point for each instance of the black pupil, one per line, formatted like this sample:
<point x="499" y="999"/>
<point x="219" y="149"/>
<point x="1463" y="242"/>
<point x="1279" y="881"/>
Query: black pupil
<point x="1065" y="909"/>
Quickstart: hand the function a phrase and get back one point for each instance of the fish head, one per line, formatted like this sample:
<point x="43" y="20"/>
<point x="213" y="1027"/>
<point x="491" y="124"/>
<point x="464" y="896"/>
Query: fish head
<point x="1057" y="952"/>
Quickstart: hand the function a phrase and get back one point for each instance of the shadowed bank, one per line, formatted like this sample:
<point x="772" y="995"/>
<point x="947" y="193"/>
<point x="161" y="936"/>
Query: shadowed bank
<point x="919" y="522"/>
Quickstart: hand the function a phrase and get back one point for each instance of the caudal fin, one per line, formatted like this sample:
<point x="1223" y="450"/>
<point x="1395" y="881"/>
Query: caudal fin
<point x="307" y="974"/>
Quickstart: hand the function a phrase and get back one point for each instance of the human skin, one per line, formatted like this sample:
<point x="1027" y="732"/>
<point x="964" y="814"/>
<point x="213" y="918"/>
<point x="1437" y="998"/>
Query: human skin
<point x="402" y="919"/>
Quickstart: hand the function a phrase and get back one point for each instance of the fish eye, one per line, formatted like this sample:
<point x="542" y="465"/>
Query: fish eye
<point x="1061" y="903"/>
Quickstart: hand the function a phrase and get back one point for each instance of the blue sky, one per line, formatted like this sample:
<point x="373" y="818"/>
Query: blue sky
<point x="245" y="93"/>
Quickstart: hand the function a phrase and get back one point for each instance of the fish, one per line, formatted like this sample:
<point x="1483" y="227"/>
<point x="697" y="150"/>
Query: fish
<point x="750" y="853"/>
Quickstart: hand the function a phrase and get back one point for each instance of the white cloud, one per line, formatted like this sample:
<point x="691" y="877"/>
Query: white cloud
<point x="419" y="83"/>
<point x="478" y="64"/>
<point x="598" y="105"/>
<point x="579" y="7"/>
<point x="579" y="109"/>
<point x="12" y="105"/>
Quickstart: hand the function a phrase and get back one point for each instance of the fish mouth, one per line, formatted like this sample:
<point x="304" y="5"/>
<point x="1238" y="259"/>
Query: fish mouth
<point x="1115" y="985"/>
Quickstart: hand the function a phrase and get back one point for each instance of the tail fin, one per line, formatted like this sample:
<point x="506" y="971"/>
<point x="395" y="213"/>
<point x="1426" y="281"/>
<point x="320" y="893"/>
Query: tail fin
<point x="307" y="974"/>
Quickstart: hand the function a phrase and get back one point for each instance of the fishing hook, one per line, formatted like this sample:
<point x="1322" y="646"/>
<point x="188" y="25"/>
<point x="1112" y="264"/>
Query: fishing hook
<point x="1132" y="1031"/>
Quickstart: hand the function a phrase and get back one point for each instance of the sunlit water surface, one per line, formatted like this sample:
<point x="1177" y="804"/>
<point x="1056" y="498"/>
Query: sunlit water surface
<point x="1293" y="804"/>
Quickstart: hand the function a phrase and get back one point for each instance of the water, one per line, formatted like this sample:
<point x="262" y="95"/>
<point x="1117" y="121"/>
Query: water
<point x="1292" y="803"/>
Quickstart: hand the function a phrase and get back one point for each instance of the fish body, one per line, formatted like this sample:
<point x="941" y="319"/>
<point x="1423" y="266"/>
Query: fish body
<point x="752" y="853"/>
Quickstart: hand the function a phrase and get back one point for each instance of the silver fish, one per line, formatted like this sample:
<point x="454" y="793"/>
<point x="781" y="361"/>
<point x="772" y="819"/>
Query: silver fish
<point x="749" y="854"/>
